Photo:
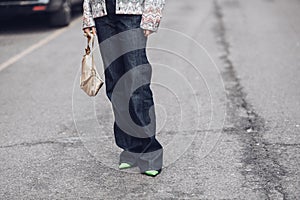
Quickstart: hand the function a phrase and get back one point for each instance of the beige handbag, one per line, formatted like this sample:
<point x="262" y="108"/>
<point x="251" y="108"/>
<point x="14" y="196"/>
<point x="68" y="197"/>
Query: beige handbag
<point x="90" y="81"/>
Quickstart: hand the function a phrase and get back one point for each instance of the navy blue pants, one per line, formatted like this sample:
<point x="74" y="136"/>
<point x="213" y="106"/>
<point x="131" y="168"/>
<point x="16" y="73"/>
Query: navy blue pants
<point x="127" y="79"/>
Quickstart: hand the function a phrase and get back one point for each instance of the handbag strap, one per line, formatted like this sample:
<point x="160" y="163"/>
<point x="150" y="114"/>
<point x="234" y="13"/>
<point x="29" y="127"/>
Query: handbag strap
<point x="90" y="43"/>
<point x="90" y="49"/>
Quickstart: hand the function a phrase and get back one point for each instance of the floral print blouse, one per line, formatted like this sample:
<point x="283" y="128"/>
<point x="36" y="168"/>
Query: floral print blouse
<point x="151" y="11"/>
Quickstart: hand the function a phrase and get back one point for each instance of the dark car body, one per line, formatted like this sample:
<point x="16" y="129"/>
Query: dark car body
<point x="59" y="11"/>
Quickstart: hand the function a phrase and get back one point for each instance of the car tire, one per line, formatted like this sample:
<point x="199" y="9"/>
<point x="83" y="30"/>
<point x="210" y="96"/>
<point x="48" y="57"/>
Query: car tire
<point x="63" y="16"/>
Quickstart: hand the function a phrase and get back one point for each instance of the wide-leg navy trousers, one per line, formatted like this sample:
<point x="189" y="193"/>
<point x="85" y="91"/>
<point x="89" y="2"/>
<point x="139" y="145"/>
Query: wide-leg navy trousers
<point x="127" y="68"/>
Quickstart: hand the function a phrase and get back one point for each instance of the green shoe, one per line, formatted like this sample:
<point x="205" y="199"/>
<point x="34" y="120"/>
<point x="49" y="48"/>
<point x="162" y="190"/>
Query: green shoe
<point x="124" y="166"/>
<point x="152" y="173"/>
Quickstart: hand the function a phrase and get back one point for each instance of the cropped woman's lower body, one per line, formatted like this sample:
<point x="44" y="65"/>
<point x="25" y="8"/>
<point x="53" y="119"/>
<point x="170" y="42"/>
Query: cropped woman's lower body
<point x="127" y="79"/>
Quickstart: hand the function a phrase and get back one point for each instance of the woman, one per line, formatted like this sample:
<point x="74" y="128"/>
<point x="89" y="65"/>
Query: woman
<point x="122" y="28"/>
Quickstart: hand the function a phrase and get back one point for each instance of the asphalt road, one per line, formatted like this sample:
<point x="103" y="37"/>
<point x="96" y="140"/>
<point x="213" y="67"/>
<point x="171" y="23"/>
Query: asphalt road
<point x="226" y="86"/>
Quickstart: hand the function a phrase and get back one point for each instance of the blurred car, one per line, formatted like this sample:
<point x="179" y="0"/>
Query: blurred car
<point x="59" y="11"/>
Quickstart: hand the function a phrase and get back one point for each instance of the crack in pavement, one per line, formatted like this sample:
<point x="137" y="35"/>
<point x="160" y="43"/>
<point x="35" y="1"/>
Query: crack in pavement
<point x="76" y="141"/>
<point x="172" y="132"/>
<point x="261" y="168"/>
<point x="282" y="144"/>
<point x="71" y="141"/>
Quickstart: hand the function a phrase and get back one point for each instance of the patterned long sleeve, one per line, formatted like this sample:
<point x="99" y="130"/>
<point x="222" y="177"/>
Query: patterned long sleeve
<point x="88" y="20"/>
<point x="152" y="14"/>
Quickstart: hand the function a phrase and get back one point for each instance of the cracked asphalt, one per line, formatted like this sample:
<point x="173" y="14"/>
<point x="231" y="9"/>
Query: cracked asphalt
<point x="226" y="86"/>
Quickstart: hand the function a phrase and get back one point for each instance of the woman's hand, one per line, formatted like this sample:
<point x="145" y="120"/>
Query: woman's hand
<point x="90" y="30"/>
<point x="147" y="33"/>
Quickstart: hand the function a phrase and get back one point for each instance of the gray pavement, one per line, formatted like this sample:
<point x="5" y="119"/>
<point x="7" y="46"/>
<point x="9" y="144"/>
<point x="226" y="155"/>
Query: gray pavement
<point x="225" y="82"/>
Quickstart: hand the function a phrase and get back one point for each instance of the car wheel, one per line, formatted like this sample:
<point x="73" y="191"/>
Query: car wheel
<point x="63" y="16"/>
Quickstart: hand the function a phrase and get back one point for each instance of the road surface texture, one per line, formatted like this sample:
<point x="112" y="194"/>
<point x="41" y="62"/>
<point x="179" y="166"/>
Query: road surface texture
<point x="226" y="86"/>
